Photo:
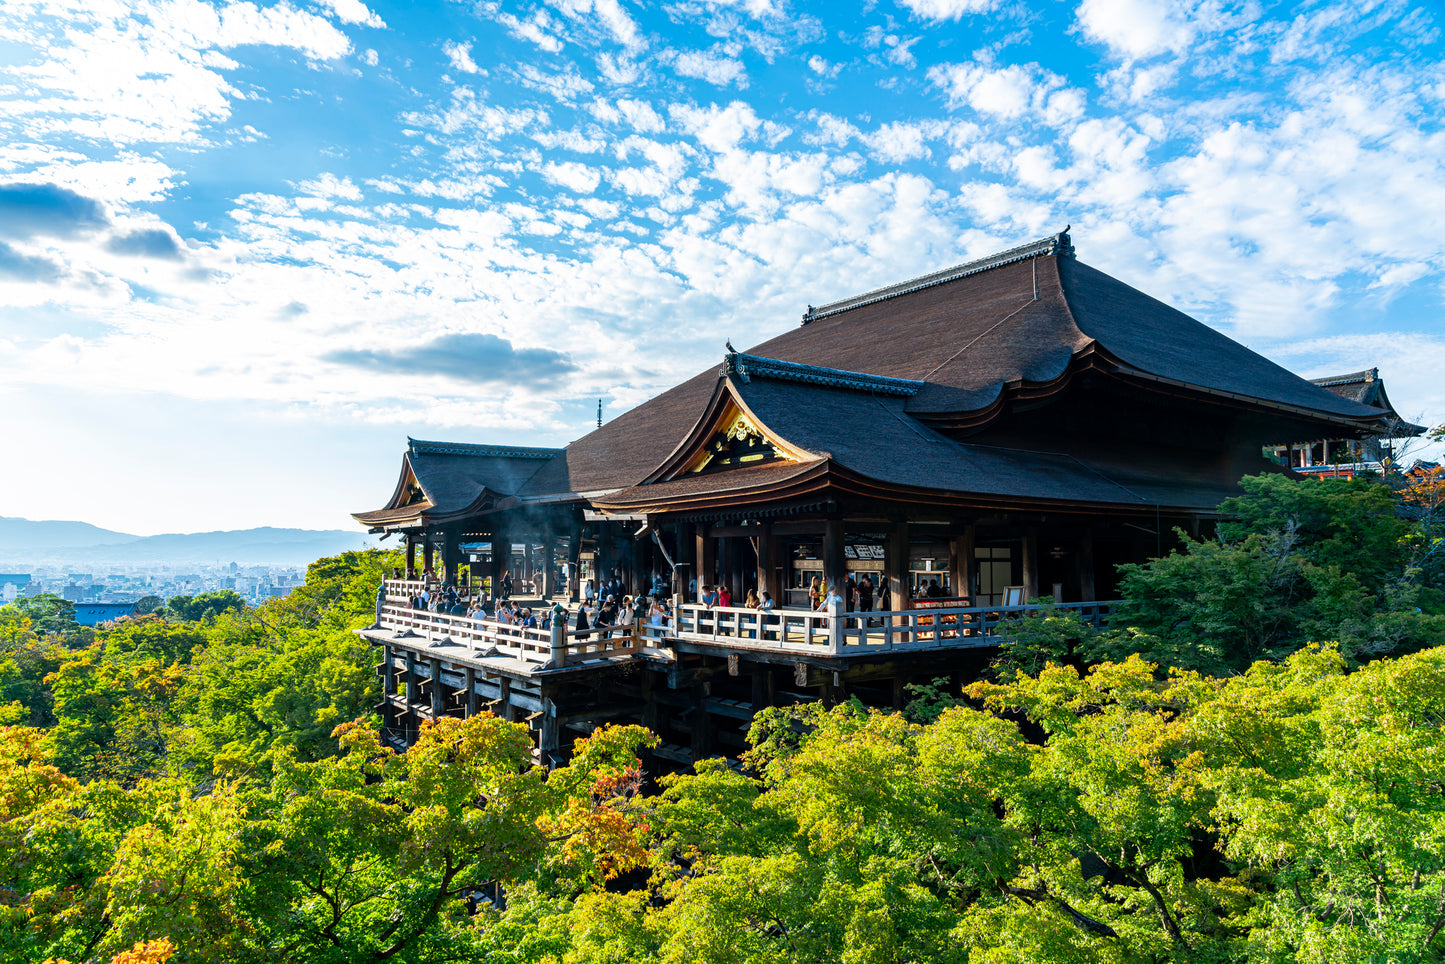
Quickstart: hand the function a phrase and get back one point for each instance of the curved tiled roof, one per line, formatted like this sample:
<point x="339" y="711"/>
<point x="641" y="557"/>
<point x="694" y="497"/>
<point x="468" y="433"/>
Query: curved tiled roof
<point x="955" y="342"/>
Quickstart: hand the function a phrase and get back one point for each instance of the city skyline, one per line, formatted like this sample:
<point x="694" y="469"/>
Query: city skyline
<point x="247" y="249"/>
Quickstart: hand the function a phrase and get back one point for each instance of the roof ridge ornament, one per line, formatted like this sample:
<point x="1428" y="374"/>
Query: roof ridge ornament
<point x="1059" y="245"/>
<point x="747" y="367"/>
<point x="422" y="447"/>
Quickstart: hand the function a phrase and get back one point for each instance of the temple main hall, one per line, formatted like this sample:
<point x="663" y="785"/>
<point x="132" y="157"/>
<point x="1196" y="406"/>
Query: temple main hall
<point x="967" y="441"/>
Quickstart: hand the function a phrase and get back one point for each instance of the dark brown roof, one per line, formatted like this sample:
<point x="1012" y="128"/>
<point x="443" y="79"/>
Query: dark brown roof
<point x="871" y="439"/>
<point x="1368" y="388"/>
<point x="456" y="477"/>
<point x="1022" y="316"/>
<point x="962" y="339"/>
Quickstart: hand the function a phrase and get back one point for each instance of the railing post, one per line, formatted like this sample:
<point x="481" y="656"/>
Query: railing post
<point x="559" y="643"/>
<point x="676" y="614"/>
<point x="835" y="624"/>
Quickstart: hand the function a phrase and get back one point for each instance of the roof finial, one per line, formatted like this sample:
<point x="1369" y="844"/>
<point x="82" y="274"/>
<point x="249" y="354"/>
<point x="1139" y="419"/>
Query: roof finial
<point x="731" y="349"/>
<point x="599" y="413"/>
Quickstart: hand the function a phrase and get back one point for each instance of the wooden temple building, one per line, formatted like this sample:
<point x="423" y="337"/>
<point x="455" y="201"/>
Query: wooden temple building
<point x="1346" y="457"/>
<point x="1006" y="429"/>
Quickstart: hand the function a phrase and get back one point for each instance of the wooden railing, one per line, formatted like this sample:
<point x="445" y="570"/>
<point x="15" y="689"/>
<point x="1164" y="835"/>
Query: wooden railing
<point x="556" y="646"/>
<point x="834" y="633"/>
<point x="854" y="633"/>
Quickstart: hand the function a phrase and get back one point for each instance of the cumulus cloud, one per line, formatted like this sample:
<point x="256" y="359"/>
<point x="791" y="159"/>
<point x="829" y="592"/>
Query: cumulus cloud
<point x="17" y="266"/>
<point x="947" y="9"/>
<point x="28" y="209"/>
<point x="1136" y="29"/>
<point x="146" y="243"/>
<point x="467" y="356"/>
<point x="460" y="56"/>
<point x="574" y="176"/>
<point x="716" y="66"/>
<point x="354" y="11"/>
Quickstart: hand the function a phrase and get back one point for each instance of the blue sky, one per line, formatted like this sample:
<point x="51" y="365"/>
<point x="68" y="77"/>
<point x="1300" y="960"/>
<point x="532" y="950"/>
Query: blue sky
<point x="247" y="248"/>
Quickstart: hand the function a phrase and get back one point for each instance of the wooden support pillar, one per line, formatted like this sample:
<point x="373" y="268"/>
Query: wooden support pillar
<point x="1031" y="563"/>
<point x="574" y="580"/>
<point x="469" y="680"/>
<point x="648" y="683"/>
<point x="639" y="577"/>
<point x="451" y="555"/>
<point x="501" y="557"/>
<point x="410" y="556"/>
<point x="413" y="697"/>
<point x="763" y="574"/>
<point x="509" y="712"/>
<point x="762" y="692"/>
<point x="961" y="562"/>
<point x="895" y="563"/>
<point x="426" y="553"/>
<point x="549" y="741"/>
<point x="1086" y="565"/>
<point x="605" y="561"/>
<point x="388" y="688"/>
<point x="706" y="562"/>
<point x="684" y="557"/>
<point x="701" y="725"/>
<point x="835" y="567"/>
<point x="438" y="694"/>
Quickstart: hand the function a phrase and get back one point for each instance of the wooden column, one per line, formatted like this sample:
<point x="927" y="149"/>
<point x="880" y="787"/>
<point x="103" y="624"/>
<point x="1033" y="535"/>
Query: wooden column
<point x="388" y="688"/>
<point x="706" y="561"/>
<point x="701" y="725"/>
<point x="1031" y="562"/>
<point x="469" y="699"/>
<point x="509" y="712"/>
<point x="438" y="695"/>
<point x="574" y="581"/>
<point x="426" y="552"/>
<point x="501" y="556"/>
<point x="413" y="697"/>
<point x="764" y="572"/>
<point x="605" y="560"/>
<point x="410" y="556"/>
<point x="451" y="555"/>
<point x="685" y="550"/>
<point x="961" y="562"/>
<point x="1086" y="565"/>
<point x="728" y="552"/>
<point x="896" y="565"/>
<point x="549" y="741"/>
<point x="835" y="568"/>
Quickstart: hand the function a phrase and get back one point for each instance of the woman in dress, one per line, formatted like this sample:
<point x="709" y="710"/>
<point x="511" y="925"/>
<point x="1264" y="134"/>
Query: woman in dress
<point x="815" y="593"/>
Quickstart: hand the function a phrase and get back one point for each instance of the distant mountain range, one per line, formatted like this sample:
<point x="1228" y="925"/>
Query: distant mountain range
<point x="27" y="542"/>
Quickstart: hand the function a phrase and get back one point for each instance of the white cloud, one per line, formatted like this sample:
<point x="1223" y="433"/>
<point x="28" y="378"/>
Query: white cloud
<point x="1006" y="92"/>
<point x="573" y="176"/>
<point x="716" y="66"/>
<point x="354" y="11"/>
<point x="460" y="56"/>
<point x="609" y="14"/>
<point x="822" y="68"/>
<point x="948" y="9"/>
<point x="539" y="29"/>
<point x="718" y="128"/>
<point x="1137" y="29"/>
<point x="901" y="141"/>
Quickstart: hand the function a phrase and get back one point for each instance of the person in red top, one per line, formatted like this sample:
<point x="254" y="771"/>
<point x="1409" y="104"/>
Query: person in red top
<point x="724" y="596"/>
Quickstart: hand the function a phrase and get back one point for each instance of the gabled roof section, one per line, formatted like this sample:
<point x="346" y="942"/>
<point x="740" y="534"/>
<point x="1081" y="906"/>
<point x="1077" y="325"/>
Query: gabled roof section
<point x="1368" y="388"/>
<point x="725" y="421"/>
<point x="952" y="348"/>
<point x="748" y="367"/>
<point x="443" y="481"/>
<point x="1058" y="244"/>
